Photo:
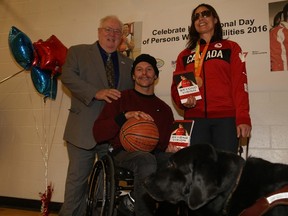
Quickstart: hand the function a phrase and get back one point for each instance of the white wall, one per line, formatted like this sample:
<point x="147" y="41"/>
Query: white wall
<point x="27" y="125"/>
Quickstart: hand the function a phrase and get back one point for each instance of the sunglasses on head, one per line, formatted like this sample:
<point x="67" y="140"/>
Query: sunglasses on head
<point x="205" y="14"/>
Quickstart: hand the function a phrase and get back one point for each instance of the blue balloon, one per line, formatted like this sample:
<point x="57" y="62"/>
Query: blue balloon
<point x="44" y="83"/>
<point x="21" y="47"/>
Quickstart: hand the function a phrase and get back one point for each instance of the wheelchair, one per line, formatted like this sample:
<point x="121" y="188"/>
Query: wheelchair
<point x="107" y="183"/>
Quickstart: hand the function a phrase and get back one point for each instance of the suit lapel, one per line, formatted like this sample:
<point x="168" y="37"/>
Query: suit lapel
<point x="97" y="63"/>
<point x="122" y="67"/>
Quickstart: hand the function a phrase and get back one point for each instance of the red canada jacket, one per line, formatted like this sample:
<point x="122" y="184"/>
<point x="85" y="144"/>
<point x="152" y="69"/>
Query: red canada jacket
<point x="224" y="91"/>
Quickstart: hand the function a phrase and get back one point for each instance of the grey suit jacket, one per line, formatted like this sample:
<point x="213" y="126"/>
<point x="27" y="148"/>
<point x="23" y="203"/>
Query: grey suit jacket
<point x="84" y="74"/>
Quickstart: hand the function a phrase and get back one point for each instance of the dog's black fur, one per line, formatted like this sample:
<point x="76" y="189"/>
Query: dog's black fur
<point x="205" y="179"/>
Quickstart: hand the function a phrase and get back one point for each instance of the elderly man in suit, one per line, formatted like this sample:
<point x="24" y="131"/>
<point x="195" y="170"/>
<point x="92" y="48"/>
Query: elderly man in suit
<point x="84" y="74"/>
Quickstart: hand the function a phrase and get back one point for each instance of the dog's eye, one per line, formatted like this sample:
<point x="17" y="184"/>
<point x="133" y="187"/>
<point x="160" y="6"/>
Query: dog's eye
<point x="170" y="164"/>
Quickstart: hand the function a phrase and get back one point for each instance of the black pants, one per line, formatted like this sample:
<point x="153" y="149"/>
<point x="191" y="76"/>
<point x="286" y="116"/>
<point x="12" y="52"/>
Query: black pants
<point x="219" y="132"/>
<point x="142" y="164"/>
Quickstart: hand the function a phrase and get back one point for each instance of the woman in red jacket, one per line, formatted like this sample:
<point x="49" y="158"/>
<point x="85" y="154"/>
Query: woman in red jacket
<point x="222" y="115"/>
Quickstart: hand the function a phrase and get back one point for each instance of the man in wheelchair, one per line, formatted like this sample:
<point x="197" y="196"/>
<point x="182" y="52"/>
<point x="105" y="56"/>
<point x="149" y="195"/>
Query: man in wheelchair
<point x="140" y="102"/>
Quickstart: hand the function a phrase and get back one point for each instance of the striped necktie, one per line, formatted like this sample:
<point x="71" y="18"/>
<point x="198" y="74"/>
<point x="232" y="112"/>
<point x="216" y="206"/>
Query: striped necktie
<point x="110" y="72"/>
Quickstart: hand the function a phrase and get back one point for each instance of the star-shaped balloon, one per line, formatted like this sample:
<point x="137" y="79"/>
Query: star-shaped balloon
<point x="21" y="48"/>
<point x="50" y="54"/>
<point x="44" y="83"/>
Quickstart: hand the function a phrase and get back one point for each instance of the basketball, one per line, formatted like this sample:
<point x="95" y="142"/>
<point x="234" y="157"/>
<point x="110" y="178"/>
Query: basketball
<point x="139" y="135"/>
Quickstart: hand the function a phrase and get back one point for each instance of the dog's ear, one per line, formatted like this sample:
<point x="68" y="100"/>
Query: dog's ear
<point x="230" y="169"/>
<point x="201" y="194"/>
<point x="166" y="185"/>
<point x="202" y="185"/>
<point x="212" y="174"/>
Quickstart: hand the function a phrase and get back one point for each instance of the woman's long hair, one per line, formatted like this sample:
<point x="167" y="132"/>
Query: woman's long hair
<point x="194" y="35"/>
<point x="285" y="12"/>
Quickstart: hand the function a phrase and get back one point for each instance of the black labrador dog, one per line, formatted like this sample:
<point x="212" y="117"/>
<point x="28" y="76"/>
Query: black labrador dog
<point x="212" y="182"/>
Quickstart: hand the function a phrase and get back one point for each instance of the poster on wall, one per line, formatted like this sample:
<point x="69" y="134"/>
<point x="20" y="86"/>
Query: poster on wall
<point x="278" y="35"/>
<point x="164" y="35"/>
<point x="130" y="44"/>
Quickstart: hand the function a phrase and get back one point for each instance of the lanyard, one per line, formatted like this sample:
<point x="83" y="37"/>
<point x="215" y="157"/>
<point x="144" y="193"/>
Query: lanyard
<point x="198" y="63"/>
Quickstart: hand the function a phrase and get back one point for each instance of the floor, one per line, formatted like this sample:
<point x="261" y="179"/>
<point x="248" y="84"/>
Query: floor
<point x="18" y="212"/>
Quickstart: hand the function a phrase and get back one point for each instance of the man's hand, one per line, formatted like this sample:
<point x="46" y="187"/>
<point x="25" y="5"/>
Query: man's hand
<point x="138" y="115"/>
<point x="108" y="95"/>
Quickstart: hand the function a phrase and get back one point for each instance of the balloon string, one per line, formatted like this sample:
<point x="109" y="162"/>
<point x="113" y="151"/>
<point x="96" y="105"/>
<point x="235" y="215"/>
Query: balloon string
<point x="38" y="133"/>
<point x="58" y="115"/>
<point x="9" y="77"/>
<point x="41" y="139"/>
<point x="48" y="150"/>
<point x="45" y="149"/>
<point x="35" y="120"/>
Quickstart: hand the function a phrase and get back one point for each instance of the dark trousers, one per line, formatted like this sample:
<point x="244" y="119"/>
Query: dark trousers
<point x="142" y="164"/>
<point x="80" y="165"/>
<point x="219" y="132"/>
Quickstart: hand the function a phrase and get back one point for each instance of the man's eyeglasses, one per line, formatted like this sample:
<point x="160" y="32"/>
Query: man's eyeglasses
<point x="205" y="14"/>
<point x="110" y="31"/>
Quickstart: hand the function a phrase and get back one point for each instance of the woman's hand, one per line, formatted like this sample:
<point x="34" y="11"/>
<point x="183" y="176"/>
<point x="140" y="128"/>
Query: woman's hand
<point x="191" y="102"/>
<point x="172" y="148"/>
<point x="243" y="130"/>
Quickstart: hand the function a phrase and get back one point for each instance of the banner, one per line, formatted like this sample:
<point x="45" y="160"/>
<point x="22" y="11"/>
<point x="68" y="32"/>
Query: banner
<point x="160" y="28"/>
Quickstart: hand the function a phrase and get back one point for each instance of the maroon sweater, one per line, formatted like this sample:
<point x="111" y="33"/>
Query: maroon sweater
<point x="107" y="126"/>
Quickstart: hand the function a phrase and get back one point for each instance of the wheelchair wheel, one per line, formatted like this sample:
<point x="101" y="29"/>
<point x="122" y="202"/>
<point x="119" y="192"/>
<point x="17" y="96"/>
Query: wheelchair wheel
<point x="110" y="185"/>
<point x="101" y="194"/>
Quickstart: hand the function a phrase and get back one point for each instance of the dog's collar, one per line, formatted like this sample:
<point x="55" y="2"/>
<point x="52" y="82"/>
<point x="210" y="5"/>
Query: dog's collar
<point x="225" y="210"/>
<point x="262" y="205"/>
